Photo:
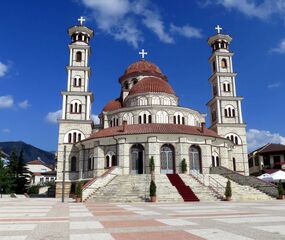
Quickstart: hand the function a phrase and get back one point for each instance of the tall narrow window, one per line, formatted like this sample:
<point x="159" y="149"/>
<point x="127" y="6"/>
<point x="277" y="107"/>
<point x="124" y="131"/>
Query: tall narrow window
<point x="183" y="120"/>
<point x="144" y="118"/>
<point x="79" y="137"/>
<point x="149" y="118"/>
<point x="74" y="137"/>
<point x="73" y="164"/>
<point x="224" y="63"/>
<point x="234" y="164"/>
<point x="214" y="66"/>
<point x="75" y="82"/>
<point x="78" y="56"/>
<point x="71" y="108"/>
<point x="69" y="138"/>
<point x="79" y="108"/>
<point x="79" y="82"/>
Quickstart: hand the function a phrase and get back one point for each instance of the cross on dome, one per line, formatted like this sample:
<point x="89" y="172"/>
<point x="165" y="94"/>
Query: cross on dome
<point x="218" y="28"/>
<point x="81" y="20"/>
<point x="142" y="53"/>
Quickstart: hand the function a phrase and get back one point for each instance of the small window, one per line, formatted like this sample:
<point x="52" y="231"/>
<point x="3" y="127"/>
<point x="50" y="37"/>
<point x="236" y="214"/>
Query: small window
<point x="69" y="138"/>
<point x="79" y="82"/>
<point x="149" y="118"/>
<point x="140" y="119"/>
<point x="79" y="108"/>
<point x="74" y="137"/>
<point x="71" y="108"/>
<point x="224" y="63"/>
<point x="73" y="164"/>
<point x="78" y="56"/>
<point x="214" y="66"/>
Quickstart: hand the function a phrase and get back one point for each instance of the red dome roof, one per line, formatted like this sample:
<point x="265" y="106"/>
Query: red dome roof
<point x="142" y="67"/>
<point x="112" y="105"/>
<point x="151" y="84"/>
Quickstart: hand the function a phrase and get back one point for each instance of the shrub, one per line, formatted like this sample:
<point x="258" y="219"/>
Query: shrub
<point x="280" y="188"/>
<point x="152" y="189"/>
<point x="34" y="189"/>
<point x="78" y="191"/>
<point x="228" y="192"/>
<point x="183" y="166"/>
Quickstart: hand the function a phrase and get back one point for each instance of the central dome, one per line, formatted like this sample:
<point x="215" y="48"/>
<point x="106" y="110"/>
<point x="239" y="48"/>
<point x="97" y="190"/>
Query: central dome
<point x="151" y="84"/>
<point x="142" y="67"/>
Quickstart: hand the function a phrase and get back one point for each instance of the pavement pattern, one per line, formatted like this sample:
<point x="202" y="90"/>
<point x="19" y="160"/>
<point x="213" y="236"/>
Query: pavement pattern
<point x="49" y="219"/>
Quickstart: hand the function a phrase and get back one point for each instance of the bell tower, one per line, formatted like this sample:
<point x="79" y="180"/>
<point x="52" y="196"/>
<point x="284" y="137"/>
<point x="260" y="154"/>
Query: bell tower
<point x="225" y="105"/>
<point x="76" y="122"/>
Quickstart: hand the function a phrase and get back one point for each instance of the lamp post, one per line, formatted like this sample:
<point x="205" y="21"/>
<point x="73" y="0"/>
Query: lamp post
<point x="63" y="174"/>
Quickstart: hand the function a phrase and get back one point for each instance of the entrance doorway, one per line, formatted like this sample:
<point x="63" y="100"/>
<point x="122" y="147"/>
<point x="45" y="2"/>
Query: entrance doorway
<point x="137" y="159"/>
<point x="195" y="159"/>
<point x="167" y="159"/>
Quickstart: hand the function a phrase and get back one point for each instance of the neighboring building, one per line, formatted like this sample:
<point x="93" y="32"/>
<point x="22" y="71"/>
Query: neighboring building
<point x="4" y="158"/>
<point x="40" y="172"/>
<point x="146" y="120"/>
<point x="268" y="158"/>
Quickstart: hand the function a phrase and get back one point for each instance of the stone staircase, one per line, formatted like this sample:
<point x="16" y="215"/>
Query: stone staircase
<point x="267" y="188"/>
<point x="184" y="190"/>
<point x="204" y="193"/>
<point x="239" y="192"/>
<point x="135" y="188"/>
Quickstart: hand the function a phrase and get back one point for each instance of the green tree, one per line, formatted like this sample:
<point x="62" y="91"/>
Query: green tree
<point x="22" y="181"/>
<point x="11" y="171"/>
<point x="183" y="166"/>
<point x="6" y="181"/>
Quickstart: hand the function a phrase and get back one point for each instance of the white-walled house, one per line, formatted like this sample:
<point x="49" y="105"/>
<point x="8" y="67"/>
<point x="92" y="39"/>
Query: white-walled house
<point x="40" y="172"/>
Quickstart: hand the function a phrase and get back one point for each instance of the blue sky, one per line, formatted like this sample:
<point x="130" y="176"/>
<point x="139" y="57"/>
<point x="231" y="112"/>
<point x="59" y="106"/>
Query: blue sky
<point x="34" y="54"/>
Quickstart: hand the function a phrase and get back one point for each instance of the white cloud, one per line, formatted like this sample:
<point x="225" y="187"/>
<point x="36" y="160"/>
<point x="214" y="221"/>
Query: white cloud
<point x="186" y="31"/>
<point x="257" y="138"/>
<point x="24" y="104"/>
<point x="262" y="9"/>
<point x="6" y="102"/>
<point x="122" y="19"/>
<point x="274" y="85"/>
<point x="280" y="48"/>
<point x="3" y="69"/>
<point x="96" y="119"/>
<point x="53" y="117"/>
<point x="6" y="130"/>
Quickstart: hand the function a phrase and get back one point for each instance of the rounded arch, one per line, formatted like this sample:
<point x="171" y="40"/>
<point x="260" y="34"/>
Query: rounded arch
<point x="78" y="57"/>
<point x="155" y="100"/>
<point x="77" y="81"/>
<point x="142" y="101"/>
<point x="195" y="160"/>
<point x="224" y="63"/>
<point x="226" y="86"/>
<point x="73" y="136"/>
<point x="162" y="117"/>
<point x="129" y="117"/>
<point x="166" y="101"/>
<point x="215" y="159"/>
<point x="110" y="159"/>
<point x="137" y="159"/>
<point x="234" y="138"/>
<point x="114" y="121"/>
<point x="179" y="118"/>
<point x="167" y="158"/>
<point x="230" y="111"/>
<point x="191" y="120"/>
<point x="144" y="117"/>
<point x="75" y="106"/>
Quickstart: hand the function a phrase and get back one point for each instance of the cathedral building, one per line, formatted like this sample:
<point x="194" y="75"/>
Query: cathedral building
<point x="146" y="120"/>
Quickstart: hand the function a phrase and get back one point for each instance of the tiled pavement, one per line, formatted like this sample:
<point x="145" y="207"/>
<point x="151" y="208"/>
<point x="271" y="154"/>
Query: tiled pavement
<point x="44" y="219"/>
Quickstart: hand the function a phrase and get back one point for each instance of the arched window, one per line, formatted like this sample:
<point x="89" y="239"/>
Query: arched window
<point x="78" y="56"/>
<point x="129" y="118"/>
<point x="226" y="87"/>
<point x="215" y="160"/>
<point x="71" y="108"/>
<point x="167" y="159"/>
<point x="191" y="120"/>
<point x="110" y="160"/>
<point x="229" y="111"/>
<point x="142" y="101"/>
<point x="75" y="107"/>
<point x="234" y="138"/>
<point x="137" y="159"/>
<point x="79" y="82"/>
<point x="144" y="117"/>
<point x="73" y="164"/>
<point x="155" y="101"/>
<point x="79" y="108"/>
<point x="178" y="118"/>
<point x="162" y="117"/>
<point x="73" y="136"/>
<point x="224" y="63"/>
<point x="195" y="162"/>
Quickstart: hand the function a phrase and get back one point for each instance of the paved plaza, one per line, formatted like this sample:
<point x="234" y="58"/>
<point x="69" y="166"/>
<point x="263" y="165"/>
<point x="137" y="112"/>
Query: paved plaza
<point x="27" y="219"/>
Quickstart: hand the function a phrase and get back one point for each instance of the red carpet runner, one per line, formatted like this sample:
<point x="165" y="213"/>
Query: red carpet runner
<point x="185" y="191"/>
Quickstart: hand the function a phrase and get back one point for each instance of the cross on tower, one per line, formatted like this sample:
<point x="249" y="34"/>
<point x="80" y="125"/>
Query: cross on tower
<point x="142" y="53"/>
<point x="218" y="28"/>
<point x="81" y="20"/>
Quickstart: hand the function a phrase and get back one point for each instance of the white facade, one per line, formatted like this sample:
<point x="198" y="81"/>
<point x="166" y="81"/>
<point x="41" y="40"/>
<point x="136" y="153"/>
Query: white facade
<point x="147" y="121"/>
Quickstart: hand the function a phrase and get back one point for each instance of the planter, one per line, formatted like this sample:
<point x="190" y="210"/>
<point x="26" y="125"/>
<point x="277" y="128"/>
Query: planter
<point x="78" y="199"/>
<point x="281" y="197"/>
<point x="227" y="198"/>
<point x="153" y="198"/>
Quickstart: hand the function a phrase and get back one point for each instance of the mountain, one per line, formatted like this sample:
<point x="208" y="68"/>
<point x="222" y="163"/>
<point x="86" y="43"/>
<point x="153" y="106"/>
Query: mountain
<point x="29" y="152"/>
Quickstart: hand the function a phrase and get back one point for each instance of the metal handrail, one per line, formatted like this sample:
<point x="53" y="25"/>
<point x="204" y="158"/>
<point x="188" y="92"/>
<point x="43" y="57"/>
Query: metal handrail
<point x="216" y="185"/>
<point x="199" y="177"/>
